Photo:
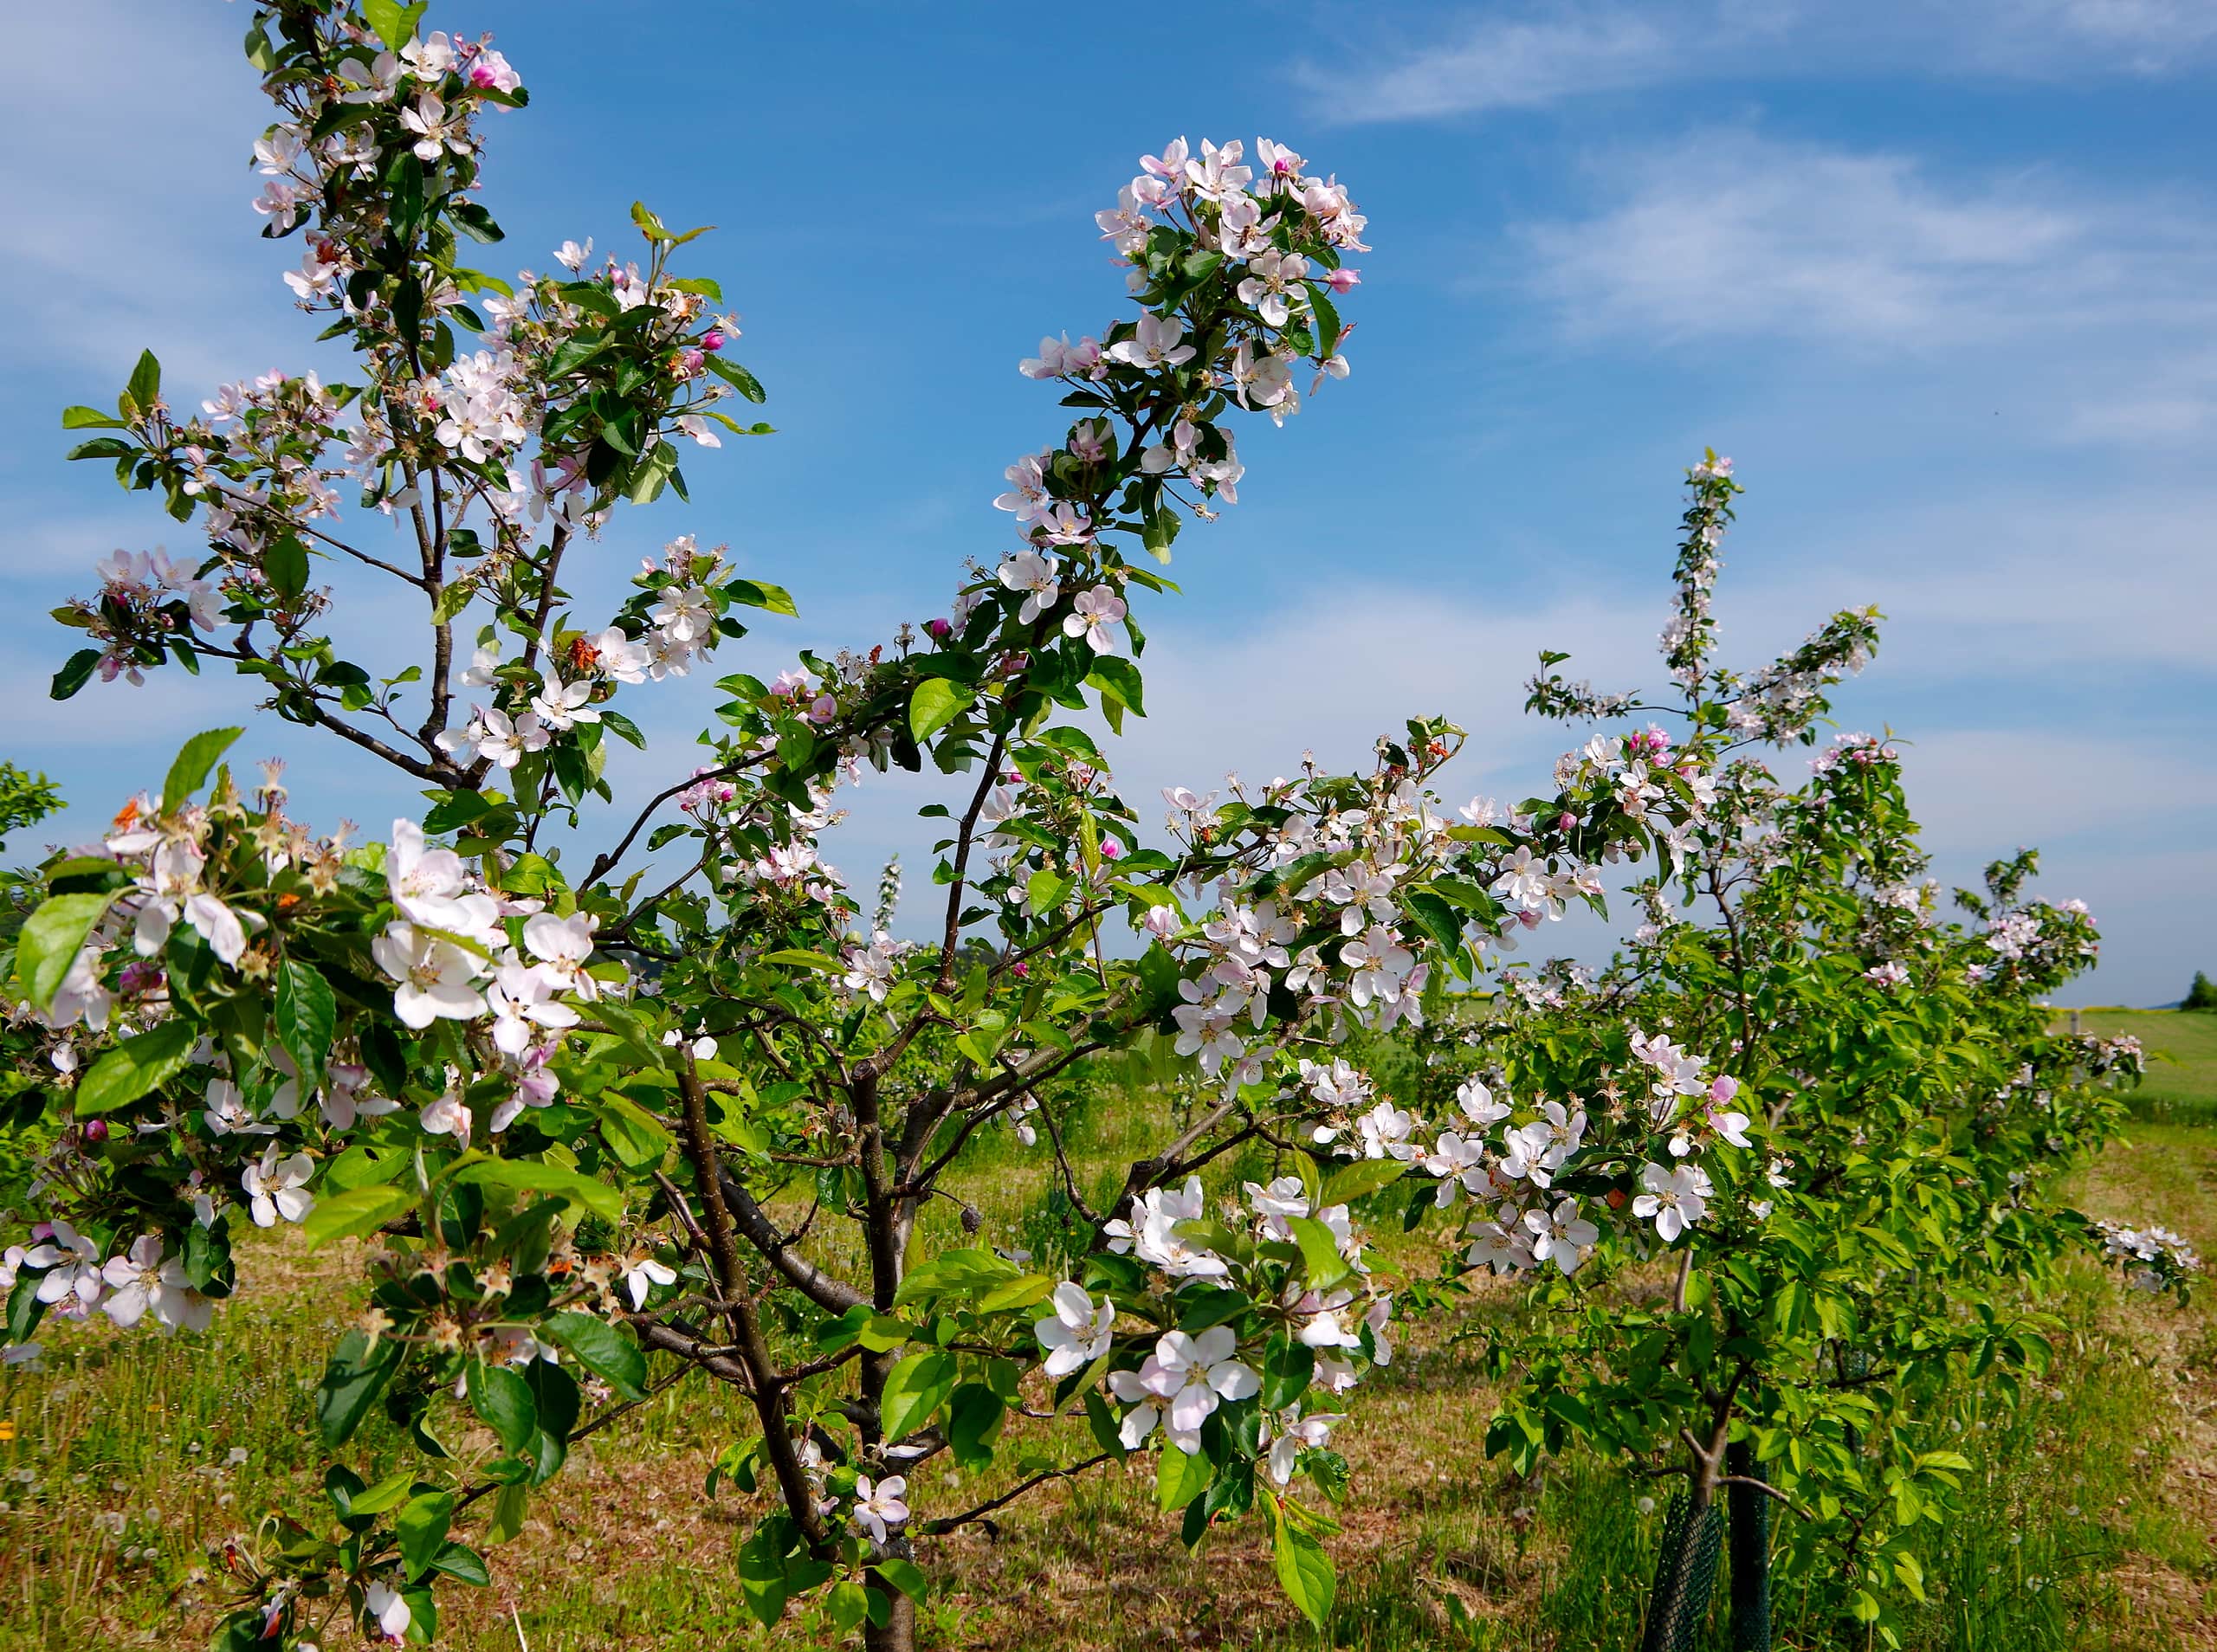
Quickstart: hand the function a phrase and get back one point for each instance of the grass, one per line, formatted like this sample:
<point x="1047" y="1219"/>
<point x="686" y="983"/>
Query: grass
<point x="2180" y="1085"/>
<point x="131" y="1460"/>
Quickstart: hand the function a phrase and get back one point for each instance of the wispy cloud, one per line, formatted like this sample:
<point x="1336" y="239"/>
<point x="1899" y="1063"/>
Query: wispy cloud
<point x="1732" y="233"/>
<point x="1507" y="63"/>
<point x="1497" y="58"/>
<point x="108" y="232"/>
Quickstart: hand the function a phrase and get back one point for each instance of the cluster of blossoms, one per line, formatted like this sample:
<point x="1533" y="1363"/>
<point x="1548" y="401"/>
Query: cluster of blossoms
<point x="1370" y="976"/>
<point x="1778" y="703"/>
<point x="1508" y="1168"/>
<point x="433" y="83"/>
<point x="439" y="431"/>
<point x="675" y="619"/>
<point x="450" y="950"/>
<point x="1329" y="919"/>
<point x="1183" y="219"/>
<point x="2152" y="1258"/>
<point x="1688" y="638"/>
<point x="1180" y="1379"/>
<point x="129" y="1286"/>
<point x="144" y="597"/>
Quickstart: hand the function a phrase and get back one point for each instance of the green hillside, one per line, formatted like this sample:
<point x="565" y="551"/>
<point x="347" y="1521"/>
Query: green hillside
<point x="2182" y="1045"/>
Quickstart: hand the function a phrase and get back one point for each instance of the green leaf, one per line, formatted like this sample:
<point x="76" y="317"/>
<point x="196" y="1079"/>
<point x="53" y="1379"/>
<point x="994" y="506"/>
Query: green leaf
<point x="307" y="1019"/>
<point x="1179" y="1477"/>
<point x="640" y="1140"/>
<point x="883" y="1333"/>
<point x="135" y="1066"/>
<point x="609" y="1352"/>
<point x="355" y="1377"/>
<point x="1017" y="1294"/>
<point x="1351" y="1182"/>
<point x="462" y="1563"/>
<point x="503" y="1400"/>
<point x="452" y="599"/>
<point x="194" y="760"/>
<point x="915" y="1390"/>
<point x="649" y="225"/>
<point x="1120" y="679"/>
<point x="587" y="1192"/>
<point x="76" y="671"/>
<point x="389" y="1493"/>
<point x="937" y="703"/>
<point x="506" y="1523"/>
<point x="973" y="1417"/>
<point x="355" y="1212"/>
<point x="756" y="593"/>
<point x="285" y="563"/>
<point x="395" y="23"/>
<point x="50" y="942"/>
<point x="968" y="1272"/>
<point x="475" y="221"/>
<point x="421" y="1529"/>
<point x="905" y="1575"/>
<point x="849" y="1604"/>
<point x="145" y="386"/>
<point x="823" y="962"/>
<point x="1319" y="1253"/>
<point x="1304" y="1570"/>
<point x="1045" y="889"/>
<point x="737" y="376"/>
<point x="1328" y="321"/>
<point x="90" y="418"/>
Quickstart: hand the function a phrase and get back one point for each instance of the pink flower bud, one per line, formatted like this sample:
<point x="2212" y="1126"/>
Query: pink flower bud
<point x="1340" y="280"/>
<point x="1565" y="821"/>
<point x="1723" y="1089"/>
<point x="938" y="629"/>
<point x="712" y="339"/>
<point x="96" y="1129"/>
<point x="1022" y="970"/>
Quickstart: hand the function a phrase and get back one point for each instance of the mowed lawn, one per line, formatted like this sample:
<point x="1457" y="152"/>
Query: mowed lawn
<point x="2087" y="1521"/>
<point x="2181" y="1044"/>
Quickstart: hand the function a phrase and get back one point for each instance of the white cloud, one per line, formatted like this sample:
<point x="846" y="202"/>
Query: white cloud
<point x="1498" y="58"/>
<point x="110" y="241"/>
<point x="1732" y="233"/>
<point x="1508" y="64"/>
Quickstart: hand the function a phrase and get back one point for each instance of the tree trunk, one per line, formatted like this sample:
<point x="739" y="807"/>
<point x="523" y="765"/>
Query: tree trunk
<point x="899" y="1631"/>
<point x="1750" y="1541"/>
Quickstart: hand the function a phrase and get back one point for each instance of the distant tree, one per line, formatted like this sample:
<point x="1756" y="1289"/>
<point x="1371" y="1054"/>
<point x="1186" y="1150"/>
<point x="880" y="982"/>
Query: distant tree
<point x="2202" y="995"/>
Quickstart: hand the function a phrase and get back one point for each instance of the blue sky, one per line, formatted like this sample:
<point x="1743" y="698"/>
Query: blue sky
<point x="1941" y="280"/>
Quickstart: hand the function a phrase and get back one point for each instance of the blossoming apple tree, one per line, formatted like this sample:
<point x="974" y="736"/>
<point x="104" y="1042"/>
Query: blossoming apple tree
<point x="1898" y="1121"/>
<point x="664" y="1110"/>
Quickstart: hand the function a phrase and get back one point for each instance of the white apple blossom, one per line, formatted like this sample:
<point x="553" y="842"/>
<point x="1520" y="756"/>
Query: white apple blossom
<point x="1092" y="613"/>
<point x="1032" y="574"/>
<point x="278" y="1188"/>
<point x="1180" y="1385"/>
<point x="878" y="1505"/>
<point x="1077" y="1333"/>
<point x="1676" y="1198"/>
<point x="437" y="977"/>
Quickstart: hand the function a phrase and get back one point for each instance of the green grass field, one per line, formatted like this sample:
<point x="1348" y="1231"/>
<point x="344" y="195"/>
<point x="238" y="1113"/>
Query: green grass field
<point x="2180" y="1085"/>
<point x="2087" y="1521"/>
